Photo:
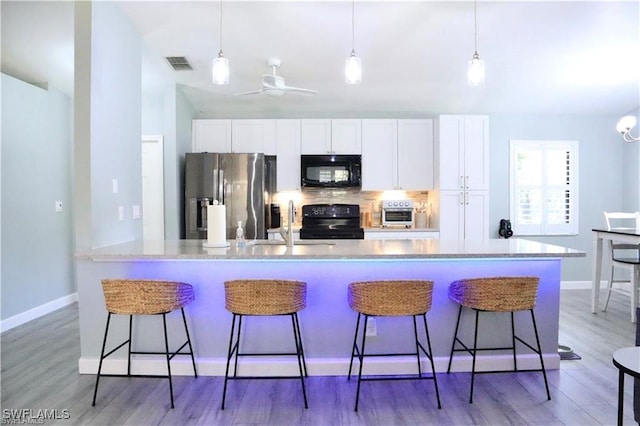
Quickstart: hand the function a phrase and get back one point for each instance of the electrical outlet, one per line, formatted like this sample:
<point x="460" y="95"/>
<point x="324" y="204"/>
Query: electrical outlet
<point x="371" y="327"/>
<point x="59" y="207"/>
<point x="136" y="212"/>
<point x="120" y="212"/>
<point x="114" y="186"/>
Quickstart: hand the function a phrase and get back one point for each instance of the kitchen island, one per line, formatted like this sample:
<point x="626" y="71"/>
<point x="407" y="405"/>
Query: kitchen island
<point x="327" y="322"/>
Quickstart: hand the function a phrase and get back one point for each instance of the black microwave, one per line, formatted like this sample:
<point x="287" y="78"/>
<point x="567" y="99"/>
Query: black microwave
<point x="331" y="171"/>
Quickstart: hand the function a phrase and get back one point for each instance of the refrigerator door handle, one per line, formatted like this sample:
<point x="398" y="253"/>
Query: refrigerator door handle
<point x="216" y="196"/>
<point x="221" y="187"/>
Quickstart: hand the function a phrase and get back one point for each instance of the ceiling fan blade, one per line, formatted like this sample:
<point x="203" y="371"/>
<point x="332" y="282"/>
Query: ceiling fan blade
<point x="255" y="92"/>
<point x="299" y="90"/>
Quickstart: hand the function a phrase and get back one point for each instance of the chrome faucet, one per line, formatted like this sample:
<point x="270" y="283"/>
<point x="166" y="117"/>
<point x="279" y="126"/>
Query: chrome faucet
<point x="287" y="234"/>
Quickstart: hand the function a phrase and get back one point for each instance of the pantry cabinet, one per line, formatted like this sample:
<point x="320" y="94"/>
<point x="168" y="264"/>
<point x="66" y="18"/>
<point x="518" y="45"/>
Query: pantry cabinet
<point x="462" y="148"/>
<point x="397" y="155"/>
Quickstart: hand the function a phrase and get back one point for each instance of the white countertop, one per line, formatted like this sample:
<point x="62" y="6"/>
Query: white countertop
<point x="328" y="249"/>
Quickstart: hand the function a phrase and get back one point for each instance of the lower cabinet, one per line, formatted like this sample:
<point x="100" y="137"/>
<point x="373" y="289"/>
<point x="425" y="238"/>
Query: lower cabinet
<point x="464" y="215"/>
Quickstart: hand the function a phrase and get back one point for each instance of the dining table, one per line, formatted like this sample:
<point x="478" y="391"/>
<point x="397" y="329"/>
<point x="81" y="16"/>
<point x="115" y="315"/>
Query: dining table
<point x="600" y="236"/>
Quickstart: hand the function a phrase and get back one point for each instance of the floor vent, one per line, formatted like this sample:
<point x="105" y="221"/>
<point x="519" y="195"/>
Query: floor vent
<point x="179" y="63"/>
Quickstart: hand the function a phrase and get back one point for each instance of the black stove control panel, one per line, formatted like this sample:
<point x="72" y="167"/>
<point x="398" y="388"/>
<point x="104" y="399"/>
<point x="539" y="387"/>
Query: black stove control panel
<point x="331" y="211"/>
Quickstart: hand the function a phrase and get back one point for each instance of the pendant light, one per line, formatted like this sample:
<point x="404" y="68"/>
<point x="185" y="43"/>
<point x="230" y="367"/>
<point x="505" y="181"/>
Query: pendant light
<point x="353" y="70"/>
<point x="475" y="71"/>
<point x="220" y="70"/>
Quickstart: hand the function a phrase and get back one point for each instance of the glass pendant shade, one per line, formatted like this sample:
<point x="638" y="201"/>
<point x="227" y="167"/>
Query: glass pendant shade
<point x="353" y="70"/>
<point x="220" y="70"/>
<point x="475" y="73"/>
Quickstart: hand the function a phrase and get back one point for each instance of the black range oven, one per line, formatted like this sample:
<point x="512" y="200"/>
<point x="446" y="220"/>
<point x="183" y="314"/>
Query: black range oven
<point x="331" y="222"/>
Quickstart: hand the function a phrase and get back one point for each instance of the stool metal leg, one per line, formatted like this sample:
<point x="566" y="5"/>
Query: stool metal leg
<point x="235" y="363"/>
<point x="186" y="330"/>
<point x="473" y="362"/>
<point x="299" y="340"/>
<point x="361" y="358"/>
<point x="300" y="358"/>
<point x="166" y="347"/>
<point x="354" y="348"/>
<point x="455" y="337"/>
<point x="129" y="346"/>
<point x="544" y="372"/>
<point x="433" y="368"/>
<point x="229" y="355"/>
<point x="104" y="344"/>
<point x="513" y="343"/>
<point x="415" y="336"/>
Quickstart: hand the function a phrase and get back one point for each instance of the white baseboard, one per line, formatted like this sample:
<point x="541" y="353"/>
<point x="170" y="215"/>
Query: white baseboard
<point x="315" y="366"/>
<point x="38" y="311"/>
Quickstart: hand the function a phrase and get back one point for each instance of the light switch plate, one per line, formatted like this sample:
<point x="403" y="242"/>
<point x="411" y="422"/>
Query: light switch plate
<point x="114" y="186"/>
<point x="59" y="206"/>
<point x="120" y="213"/>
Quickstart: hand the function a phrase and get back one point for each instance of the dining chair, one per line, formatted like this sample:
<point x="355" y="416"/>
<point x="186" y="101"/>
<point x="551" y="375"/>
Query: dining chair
<point x="624" y="256"/>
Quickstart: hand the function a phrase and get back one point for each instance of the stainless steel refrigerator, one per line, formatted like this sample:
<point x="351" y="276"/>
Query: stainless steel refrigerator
<point x="235" y="180"/>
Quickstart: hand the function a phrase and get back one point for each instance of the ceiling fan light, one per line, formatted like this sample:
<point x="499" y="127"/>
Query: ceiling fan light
<point x="353" y="70"/>
<point x="475" y="71"/>
<point x="625" y="124"/>
<point x="220" y="70"/>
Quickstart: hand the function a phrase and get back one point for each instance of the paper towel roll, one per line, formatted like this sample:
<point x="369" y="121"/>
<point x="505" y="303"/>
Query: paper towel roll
<point x="216" y="226"/>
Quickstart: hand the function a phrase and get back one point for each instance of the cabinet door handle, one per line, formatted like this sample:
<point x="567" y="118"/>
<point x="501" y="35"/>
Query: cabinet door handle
<point x="466" y="198"/>
<point x="461" y="198"/>
<point x="466" y="182"/>
<point x="462" y="182"/>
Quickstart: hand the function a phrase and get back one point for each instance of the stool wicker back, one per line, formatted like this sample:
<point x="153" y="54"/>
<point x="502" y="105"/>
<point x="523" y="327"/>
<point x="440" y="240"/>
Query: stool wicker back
<point x="145" y="297"/>
<point x="496" y="294"/>
<point x="264" y="297"/>
<point x="392" y="298"/>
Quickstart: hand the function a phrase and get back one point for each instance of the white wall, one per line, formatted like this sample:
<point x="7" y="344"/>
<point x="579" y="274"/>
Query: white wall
<point x="108" y="101"/>
<point x="37" y="252"/>
<point x="601" y="177"/>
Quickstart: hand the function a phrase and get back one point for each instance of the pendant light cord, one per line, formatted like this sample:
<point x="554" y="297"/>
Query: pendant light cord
<point x="220" y="25"/>
<point x="475" y="26"/>
<point x="353" y="25"/>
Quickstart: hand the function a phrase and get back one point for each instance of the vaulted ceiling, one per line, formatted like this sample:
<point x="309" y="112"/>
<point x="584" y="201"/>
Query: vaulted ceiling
<point x="555" y="57"/>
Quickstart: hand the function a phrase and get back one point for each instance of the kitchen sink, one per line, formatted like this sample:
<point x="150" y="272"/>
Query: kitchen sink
<point x="295" y="243"/>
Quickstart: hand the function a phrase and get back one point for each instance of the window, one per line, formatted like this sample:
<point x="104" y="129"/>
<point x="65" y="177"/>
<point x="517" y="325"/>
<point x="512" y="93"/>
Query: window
<point x="544" y="187"/>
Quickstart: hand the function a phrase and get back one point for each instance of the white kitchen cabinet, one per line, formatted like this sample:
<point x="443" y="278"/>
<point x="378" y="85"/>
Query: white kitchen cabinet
<point x="415" y="155"/>
<point x="464" y="215"/>
<point x="462" y="146"/>
<point x="249" y="136"/>
<point x="414" y="234"/>
<point x="346" y="137"/>
<point x="397" y="154"/>
<point x="315" y="137"/>
<point x="463" y="152"/>
<point x="325" y="136"/>
<point x="288" y="155"/>
<point x="211" y="135"/>
<point x="379" y="155"/>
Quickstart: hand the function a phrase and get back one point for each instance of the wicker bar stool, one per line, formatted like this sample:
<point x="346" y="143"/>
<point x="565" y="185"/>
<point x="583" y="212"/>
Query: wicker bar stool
<point x="392" y="298"/>
<point x="496" y="294"/>
<point x="264" y="297"/>
<point x="145" y="297"/>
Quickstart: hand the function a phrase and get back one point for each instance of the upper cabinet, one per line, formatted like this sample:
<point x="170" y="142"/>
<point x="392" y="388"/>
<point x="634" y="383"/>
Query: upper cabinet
<point x="211" y="136"/>
<point x="288" y="152"/>
<point x="397" y="154"/>
<point x="463" y="146"/>
<point x="254" y="136"/>
<point x="325" y="136"/>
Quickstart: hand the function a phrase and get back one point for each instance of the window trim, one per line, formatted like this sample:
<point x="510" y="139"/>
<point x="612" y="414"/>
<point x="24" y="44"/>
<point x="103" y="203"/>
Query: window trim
<point x="545" y="229"/>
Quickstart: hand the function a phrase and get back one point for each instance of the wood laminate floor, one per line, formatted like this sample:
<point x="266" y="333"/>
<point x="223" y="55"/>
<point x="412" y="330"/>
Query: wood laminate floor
<point x="40" y="372"/>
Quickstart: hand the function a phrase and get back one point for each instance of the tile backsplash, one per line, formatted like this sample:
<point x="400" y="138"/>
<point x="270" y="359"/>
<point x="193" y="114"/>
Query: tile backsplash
<point x="369" y="201"/>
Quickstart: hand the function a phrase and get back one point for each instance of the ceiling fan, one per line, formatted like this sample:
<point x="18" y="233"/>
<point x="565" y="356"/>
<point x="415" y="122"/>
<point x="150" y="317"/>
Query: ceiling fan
<point x="273" y="84"/>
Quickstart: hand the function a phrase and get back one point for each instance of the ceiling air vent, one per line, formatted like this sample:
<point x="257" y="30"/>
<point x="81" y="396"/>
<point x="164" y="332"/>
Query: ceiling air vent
<point x="179" y="63"/>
